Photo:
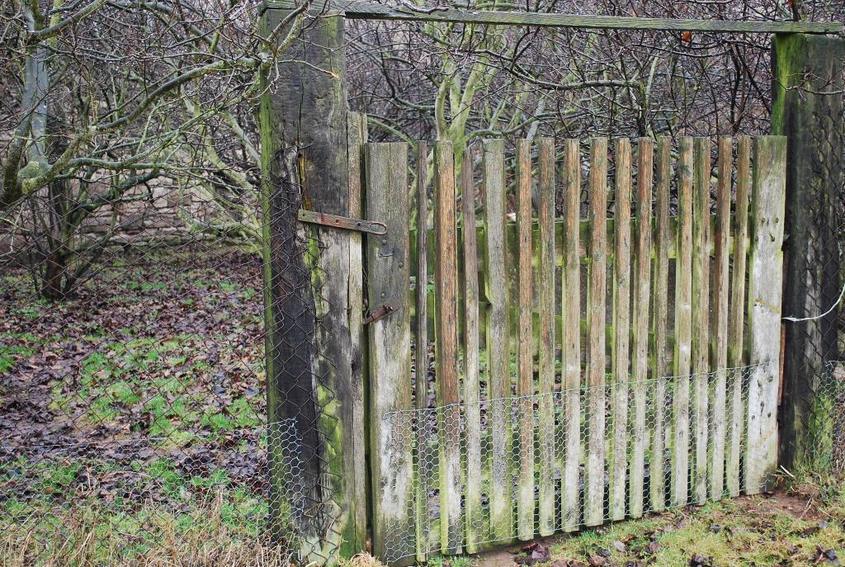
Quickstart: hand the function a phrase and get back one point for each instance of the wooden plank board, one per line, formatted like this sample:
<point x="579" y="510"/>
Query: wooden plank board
<point x="701" y="312"/>
<point x="497" y="347"/>
<point x="546" y="362"/>
<point x="764" y="311"/>
<point x="639" y="347"/>
<point x="736" y="325"/>
<point x="571" y="343"/>
<point x="472" y="511"/>
<point x="372" y="11"/>
<point x="525" y="338"/>
<point x="721" y="266"/>
<point x="662" y="366"/>
<point x="356" y="135"/>
<point x="421" y="353"/>
<point x="596" y="319"/>
<point x="446" y="348"/>
<point x="620" y="358"/>
<point x="683" y="325"/>
<point x="388" y="277"/>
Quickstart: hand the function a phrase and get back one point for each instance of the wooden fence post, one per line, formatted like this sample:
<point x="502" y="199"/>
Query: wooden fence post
<point x="310" y="354"/>
<point x="809" y="75"/>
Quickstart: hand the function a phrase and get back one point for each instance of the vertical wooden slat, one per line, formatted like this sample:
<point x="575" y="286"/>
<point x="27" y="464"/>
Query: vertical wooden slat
<point x="472" y="510"/>
<point x="388" y="276"/>
<point x="736" y="326"/>
<point x="701" y="311"/>
<point x="356" y="130"/>
<point x="764" y="313"/>
<point x="498" y="354"/>
<point x="446" y="347"/>
<point x="596" y="318"/>
<point x="639" y="347"/>
<point x="421" y="349"/>
<point x="621" y="328"/>
<point x="546" y="289"/>
<point x="525" y="363"/>
<point x="662" y="368"/>
<point x="683" y="326"/>
<point x="571" y="345"/>
<point x="720" y="325"/>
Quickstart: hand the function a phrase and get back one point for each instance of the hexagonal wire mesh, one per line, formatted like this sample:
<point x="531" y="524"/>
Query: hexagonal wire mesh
<point x="424" y="430"/>
<point x="826" y="420"/>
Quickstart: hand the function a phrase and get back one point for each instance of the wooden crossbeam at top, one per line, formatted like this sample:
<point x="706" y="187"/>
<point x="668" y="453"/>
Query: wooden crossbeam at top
<point x="371" y="11"/>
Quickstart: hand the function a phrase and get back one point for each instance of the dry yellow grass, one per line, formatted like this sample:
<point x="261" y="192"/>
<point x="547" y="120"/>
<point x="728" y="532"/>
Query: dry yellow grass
<point x="83" y="538"/>
<point x="361" y="560"/>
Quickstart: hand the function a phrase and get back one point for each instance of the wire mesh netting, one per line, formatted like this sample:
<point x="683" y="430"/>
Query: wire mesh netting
<point x="826" y="420"/>
<point x="501" y="460"/>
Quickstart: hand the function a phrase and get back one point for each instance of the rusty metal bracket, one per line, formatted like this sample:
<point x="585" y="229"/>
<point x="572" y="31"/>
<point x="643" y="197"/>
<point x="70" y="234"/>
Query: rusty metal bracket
<point x="344" y="223"/>
<point x="379" y="313"/>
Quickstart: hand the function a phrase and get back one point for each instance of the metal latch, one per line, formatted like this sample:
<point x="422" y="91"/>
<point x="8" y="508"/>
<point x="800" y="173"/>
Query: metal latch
<point x="345" y="223"/>
<point x="379" y="313"/>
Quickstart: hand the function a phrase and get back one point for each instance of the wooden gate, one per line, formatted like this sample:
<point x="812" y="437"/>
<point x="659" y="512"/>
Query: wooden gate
<point x="575" y="340"/>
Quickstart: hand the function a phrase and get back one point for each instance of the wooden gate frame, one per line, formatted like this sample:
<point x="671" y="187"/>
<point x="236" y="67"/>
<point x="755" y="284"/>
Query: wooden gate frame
<point x="304" y="125"/>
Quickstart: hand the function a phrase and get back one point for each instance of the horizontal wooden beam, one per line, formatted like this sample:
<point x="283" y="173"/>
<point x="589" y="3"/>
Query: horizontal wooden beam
<point x="369" y="11"/>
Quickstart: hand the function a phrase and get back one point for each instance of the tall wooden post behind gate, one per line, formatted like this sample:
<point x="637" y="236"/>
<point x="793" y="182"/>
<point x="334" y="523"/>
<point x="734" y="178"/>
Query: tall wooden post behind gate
<point x="809" y="78"/>
<point x="314" y="294"/>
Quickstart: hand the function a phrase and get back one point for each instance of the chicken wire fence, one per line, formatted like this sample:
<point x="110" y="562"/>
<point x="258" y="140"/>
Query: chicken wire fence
<point x="425" y="430"/>
<point x="133" y="399"/>
<point x="826" y="423"/>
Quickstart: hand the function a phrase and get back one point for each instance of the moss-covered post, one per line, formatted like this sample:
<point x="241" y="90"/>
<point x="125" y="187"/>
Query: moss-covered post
<point x="809" y="77"/>
<point x="312" y="363"/>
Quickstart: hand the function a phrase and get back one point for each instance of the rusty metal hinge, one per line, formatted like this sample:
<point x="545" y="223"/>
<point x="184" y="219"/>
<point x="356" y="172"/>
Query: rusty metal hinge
<point x="345" y="223"/>
<point x="379" y="313"/>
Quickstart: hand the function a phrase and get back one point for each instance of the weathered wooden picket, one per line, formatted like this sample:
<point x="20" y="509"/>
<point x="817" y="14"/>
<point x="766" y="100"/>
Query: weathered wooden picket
<point x="583" y="370"/>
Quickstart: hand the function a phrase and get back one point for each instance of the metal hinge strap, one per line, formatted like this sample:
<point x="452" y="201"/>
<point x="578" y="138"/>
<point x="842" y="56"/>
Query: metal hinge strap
<point x="379" y="313"/>
<point x="345" y="223"/>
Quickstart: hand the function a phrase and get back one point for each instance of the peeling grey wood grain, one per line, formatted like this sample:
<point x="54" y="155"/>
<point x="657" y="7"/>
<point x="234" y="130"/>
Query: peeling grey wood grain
<point x="388" y="281"/>
<point x="765" y="276"/>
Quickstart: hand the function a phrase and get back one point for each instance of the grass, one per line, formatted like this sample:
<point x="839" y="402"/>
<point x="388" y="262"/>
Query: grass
<point x="216" y="532"/>
<point x="737" y="532"/>
<point x="803" y="523"/>
<point x="157" y="377"/>
<point x="115" y="517"/>
<point x="9" y="354"/>
<point x="132" y="415"/>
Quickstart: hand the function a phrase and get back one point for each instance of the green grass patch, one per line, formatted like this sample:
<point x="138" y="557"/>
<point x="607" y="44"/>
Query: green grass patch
<point x="747" y="531"/>
<point x="11" y="354"/>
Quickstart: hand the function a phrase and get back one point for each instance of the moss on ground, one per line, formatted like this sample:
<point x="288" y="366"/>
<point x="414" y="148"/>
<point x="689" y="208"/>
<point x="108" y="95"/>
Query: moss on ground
<point x="800" y="524"/>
